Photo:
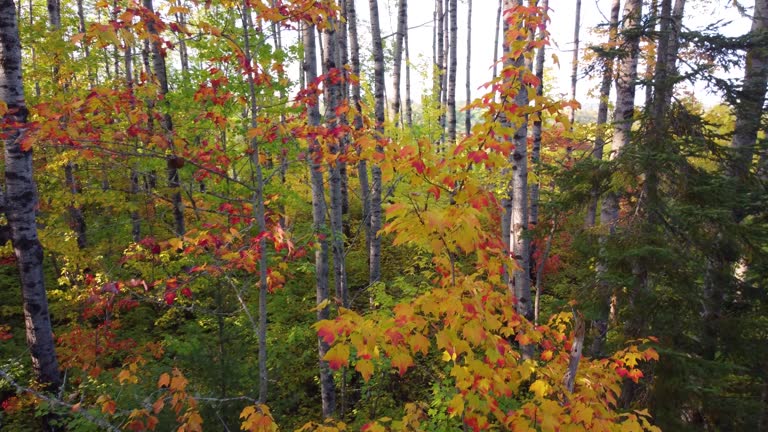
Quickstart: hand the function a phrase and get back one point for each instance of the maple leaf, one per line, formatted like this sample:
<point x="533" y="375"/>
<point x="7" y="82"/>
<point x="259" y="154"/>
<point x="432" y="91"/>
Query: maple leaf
<point x="540" y="388"/>
<point x="635" y="375"/>
<point x="402" y="361"/>
<point x="419" y="166"/>
<point x="337" y="356"/>
<point x="456" y="405"/>
<point x="326" y="331"/>
<point x="365" y="367"/>
<point x="478" y="156"/>
<point x="164" y="380"/>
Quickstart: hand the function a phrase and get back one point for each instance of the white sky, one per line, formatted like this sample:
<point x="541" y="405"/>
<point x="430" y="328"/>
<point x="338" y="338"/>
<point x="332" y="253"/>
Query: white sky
<point x="699" y="13"/>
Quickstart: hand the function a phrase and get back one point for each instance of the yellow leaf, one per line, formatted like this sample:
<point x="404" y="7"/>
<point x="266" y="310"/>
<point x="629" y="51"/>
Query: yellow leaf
<point x="337" y="356"/>
<point x="583" y="414"/>
<point x="456" y="405"/>
<point x="540" y="388"/>
<point x="365" y="367"/>
<point x="124" y="375"/>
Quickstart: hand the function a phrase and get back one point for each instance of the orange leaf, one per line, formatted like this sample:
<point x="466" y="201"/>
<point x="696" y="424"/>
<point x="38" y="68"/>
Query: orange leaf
<point x="164" y="381"/>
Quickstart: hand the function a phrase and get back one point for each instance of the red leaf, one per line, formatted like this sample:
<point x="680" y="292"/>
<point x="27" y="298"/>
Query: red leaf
<point x="478" y="156"/>
<point x="170" y="297"/>
<point x="326" y="333"/>
<point x="419" y="166"/>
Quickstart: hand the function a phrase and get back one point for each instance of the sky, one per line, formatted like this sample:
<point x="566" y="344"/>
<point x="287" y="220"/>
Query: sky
<point x="699" y="13"/>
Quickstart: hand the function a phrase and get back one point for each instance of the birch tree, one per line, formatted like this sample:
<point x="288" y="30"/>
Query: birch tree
<point x="626" y="79"/>
<point x="327" y="390"/>
<point x="173" y="162"/>
<point x="468" y="112"/>
<point x="376" y="182"/>
<point x="402" y="28"/>
<point x="19" y="204"/>
<point x="362" y="166"/>
<point x="453" y="43"/>
<point x="602" y="108"/>
<point x="333" y="97"/>
<point x="517" y="211"/>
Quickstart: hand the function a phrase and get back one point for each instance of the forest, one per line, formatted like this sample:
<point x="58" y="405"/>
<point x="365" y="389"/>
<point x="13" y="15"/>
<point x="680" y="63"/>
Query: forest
<point x="262" y="215"/>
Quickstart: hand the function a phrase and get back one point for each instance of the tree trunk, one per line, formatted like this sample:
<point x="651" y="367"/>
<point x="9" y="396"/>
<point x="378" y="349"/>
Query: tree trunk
<point x="332" y="102"/>
<point x="663" y="84"/>
<point x="622" y="123"/>
<point x="623" y="115"/>
<point x="343" y="55"/>
<point x="183" y="52"/>
<point x="402" y="28"/>
<point x="533" y="218"/>
<point x="327" y="390"/>
<point x="651" y="50"/>
<point x="537" y="125"/>
<point x="576" y="352"/>
<point x="408" y="101"/>
<point x="575" y="61"/>
<point x="601" y="323"/>
<point x="519" y="242"/>
<point x="158" y="62"/>
<point x="452" y="71"/>
<point x="258" y="206"/>
<point x="437" y="89"/>
<point x="376" y="187"/>
<point x="602" y="109"/>
<point x="468" y="112"/>
<point x="19" y="204"/>
<point x="496" y="41"/>
<point x="751" y="97"/>
<point x="362" y="168"/>
<point x="444" y="75"/>
<point x="719" y="272"/>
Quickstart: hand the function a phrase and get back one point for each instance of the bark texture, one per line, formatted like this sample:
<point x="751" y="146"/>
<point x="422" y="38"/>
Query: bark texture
<point x="519" y="243"/>
<point x="453" y="42"/>
<point x="602" y="109"/>
<point x="496" y="41"/>
<point x="601" y="323"/>
<point x="161" y="74"/>
<point x="468" y="112"/>
<point x="327" y="389"/>
<point x="333" y="97"/>
<point x="19" y="203"/>
<point x="362" y="166"/>
<point x="575" y="60"/>
<point x="402" y="28"/>
<point x="626" y="81"/>
<point x="752" y="95"/>
<point x="376" y="186"/>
